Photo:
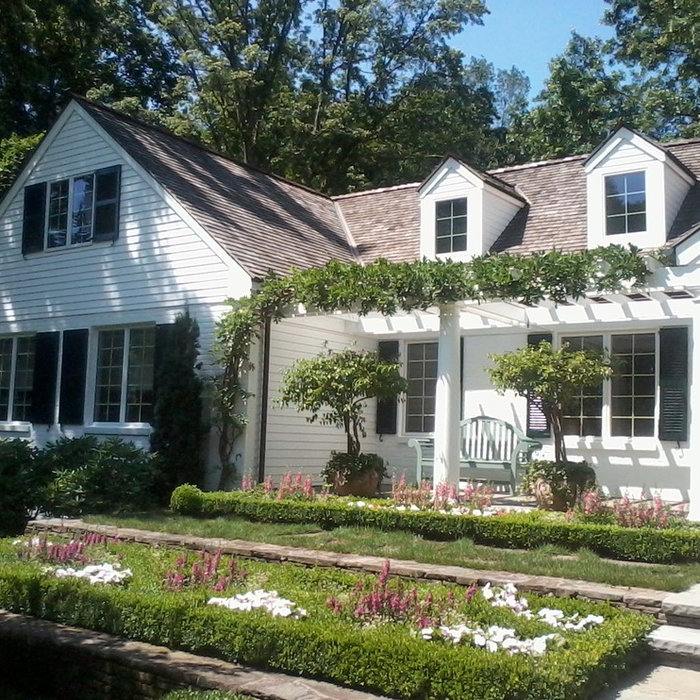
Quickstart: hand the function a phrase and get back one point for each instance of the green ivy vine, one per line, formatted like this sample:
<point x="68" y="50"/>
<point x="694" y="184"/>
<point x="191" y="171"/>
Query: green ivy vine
<point x="388" y="288"/>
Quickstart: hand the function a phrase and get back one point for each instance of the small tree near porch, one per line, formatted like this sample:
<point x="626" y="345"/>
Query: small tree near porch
<point x="554" y="376"/>
<point x="341" y="382"/>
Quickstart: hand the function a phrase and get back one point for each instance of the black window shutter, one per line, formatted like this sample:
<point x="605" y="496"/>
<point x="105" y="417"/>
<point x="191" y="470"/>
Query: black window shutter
<point x="673" y="384"/>
<point x="73" y="373"/>
<point x="386" y="408"/>
<point x="537" y="425"/>
<point x="33" y="218"/>
<point x="44" y="382"/>
<point x="107" y="189"/>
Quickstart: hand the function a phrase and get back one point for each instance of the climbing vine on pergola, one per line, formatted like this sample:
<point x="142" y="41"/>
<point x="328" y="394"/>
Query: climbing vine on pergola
<point x="388" y="288"/>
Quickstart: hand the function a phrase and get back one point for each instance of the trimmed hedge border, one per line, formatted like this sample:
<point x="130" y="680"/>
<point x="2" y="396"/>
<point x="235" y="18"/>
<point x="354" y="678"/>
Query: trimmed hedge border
<point x="372" y="659"/>
<point x="513" y="531"/>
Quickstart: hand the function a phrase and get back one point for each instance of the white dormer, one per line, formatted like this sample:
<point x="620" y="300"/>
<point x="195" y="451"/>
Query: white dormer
<point x="635" y="189"/>
<point x="463" y="211"/>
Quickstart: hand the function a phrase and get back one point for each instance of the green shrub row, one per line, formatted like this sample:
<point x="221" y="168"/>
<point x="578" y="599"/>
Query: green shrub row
<point x="371" y="658"/>
<point x="513" y="531"/>
<point x="72" y="476"/>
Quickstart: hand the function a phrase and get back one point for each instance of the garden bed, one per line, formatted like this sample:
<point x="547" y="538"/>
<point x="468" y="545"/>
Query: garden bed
<point x="374" y="633"/>
<point x="510" y="530"/>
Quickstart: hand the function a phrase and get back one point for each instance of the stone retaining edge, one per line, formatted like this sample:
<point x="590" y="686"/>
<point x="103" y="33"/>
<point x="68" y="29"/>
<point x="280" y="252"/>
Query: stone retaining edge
<point x="176" y="668"/>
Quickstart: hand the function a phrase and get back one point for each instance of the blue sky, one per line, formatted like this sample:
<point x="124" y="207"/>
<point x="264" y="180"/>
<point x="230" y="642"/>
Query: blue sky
<point x="528" y="33"/>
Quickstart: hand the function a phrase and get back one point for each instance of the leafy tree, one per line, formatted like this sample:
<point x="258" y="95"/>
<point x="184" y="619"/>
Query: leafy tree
<point x="177" y="423"/>
<point x="582" y="101"/>
<point x="554" y="376"/>
<point x="308" y="88"/>
<point x="50" y="46"/>
<point x="661" y="38"/>
<point x="14" y="150"/>
<point x="335" y="386"/>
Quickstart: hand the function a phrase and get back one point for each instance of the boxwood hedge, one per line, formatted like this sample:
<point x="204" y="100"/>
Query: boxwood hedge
<point x="514" y="531"/>
<point x="378" y="658"/>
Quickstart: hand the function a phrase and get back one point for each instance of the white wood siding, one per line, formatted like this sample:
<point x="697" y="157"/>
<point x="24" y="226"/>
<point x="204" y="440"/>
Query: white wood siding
<point x="498" y="211"/>
<point x="626" y="157"/>
<point x="676" y="190"/>
<point x="293" y="444"/>
<point x="160" y="265"/>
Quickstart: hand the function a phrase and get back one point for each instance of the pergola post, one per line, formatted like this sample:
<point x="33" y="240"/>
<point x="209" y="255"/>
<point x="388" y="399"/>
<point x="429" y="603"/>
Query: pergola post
<point x="447" y="399"/>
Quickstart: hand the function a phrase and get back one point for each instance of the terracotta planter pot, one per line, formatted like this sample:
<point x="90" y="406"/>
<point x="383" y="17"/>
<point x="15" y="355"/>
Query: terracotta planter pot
<point x="549" y="499"/>
<point x="361" y="485"/>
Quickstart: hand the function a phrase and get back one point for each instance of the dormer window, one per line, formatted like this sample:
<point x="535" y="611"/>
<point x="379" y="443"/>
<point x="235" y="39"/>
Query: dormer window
<point x="625" y="203"/>
<point x="451" y="225"/>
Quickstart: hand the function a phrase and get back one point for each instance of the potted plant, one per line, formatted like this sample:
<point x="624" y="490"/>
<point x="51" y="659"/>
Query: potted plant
<point x="334" y="387"/>
<point x="553" y="376"/>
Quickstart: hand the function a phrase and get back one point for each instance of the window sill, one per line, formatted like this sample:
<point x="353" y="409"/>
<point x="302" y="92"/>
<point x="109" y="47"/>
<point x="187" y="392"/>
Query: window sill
<point x="135" y="429"/>
<point x="16" y="427"/>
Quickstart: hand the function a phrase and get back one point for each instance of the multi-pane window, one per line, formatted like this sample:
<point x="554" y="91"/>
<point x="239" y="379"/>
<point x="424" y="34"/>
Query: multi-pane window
<point x="124" y="382"/>
<point x="16" y="377"/>
<point x="583" y="414"/>
<point x="421" y="372"/>
<point x="451" y="225"/>
<point x="625" y="203"/>
<point x="628" y="401"/>
<point x="72" y="211"/>
<point x="633" y="386"/>
<point x="77" y="197"/>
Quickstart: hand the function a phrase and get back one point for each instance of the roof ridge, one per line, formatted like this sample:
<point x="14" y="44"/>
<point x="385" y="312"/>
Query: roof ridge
<point x="537" y="164"/>
<point x="376" y="190"/>
<point x="193" y="143"/>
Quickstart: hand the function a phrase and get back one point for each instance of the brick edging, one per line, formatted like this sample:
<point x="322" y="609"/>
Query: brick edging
<point x="644" y="600"/>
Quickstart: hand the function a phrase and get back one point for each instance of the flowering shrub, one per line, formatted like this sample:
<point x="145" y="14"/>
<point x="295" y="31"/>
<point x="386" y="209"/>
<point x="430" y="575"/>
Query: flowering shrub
<point x="295" y="488"/>
<point x="626" y="512"/>
<point x="207" y="570"/>
<point x="97" y="573"/>
<point x="387" y="601"/>
<point x="269" y="601"/>
<point x="62" y="552"/>
<point x="444" y="497"/>
<point x="441" y="617"/>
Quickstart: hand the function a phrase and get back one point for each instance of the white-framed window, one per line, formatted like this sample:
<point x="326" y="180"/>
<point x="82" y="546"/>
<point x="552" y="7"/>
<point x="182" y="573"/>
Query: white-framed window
<point x="16" y="377"/>
<point x="626" y="406"/>
<point x="625" y="203"/>
<point x="451" y="225"/>
<point x="421" y="373"/>
<point x="124" y="375"/>
<point x="70" y="211"/>
<point x="583" y="415"/>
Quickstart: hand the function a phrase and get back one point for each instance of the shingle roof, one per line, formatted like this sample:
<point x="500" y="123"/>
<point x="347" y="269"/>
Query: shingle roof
<point x="264" y="222"/>
<point x="268" y="223"/>
<point x="384" y="223"/>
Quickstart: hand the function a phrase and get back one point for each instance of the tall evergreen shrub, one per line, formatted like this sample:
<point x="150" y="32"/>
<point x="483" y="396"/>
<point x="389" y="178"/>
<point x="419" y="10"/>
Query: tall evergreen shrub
<point x="178" y="429"/>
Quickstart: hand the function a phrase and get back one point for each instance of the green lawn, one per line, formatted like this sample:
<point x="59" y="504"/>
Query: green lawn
<point x="546" y="561"/>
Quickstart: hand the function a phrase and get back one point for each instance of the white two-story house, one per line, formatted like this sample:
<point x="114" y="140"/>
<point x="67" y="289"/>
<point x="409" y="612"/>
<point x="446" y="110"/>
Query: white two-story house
<point x="114" y="227"/>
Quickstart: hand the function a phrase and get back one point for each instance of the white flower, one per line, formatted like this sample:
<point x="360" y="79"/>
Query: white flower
<point x="269" y="601"/>
<point x="96" y="573"/>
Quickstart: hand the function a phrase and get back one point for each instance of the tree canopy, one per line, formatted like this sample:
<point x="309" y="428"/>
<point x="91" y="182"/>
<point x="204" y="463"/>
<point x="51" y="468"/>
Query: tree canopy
<point x="347" y="94"/>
